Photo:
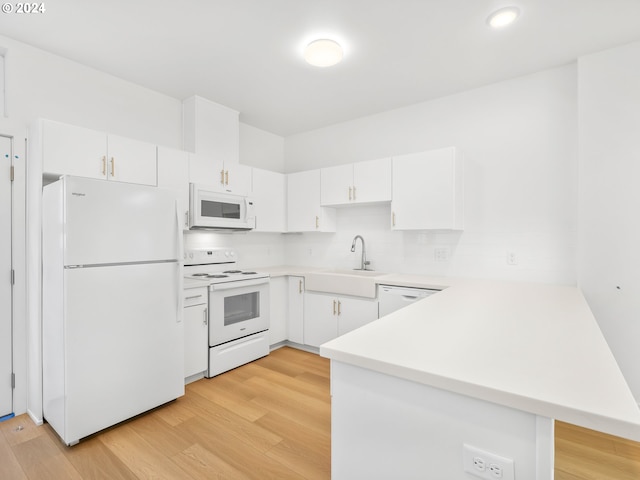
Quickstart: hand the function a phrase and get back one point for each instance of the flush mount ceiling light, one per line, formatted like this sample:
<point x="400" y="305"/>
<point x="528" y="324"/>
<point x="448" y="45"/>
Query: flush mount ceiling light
<point x="323" y="53"/>
<point x="503" y="17"/>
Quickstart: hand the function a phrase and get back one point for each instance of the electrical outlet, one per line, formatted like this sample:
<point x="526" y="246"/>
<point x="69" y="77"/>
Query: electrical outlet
<point x="512" y="259"/>
<point x="483" y="464"/>
<point x="441" y="254"/>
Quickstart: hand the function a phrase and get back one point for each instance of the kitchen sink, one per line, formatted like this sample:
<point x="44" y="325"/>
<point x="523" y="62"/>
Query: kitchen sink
<point x="358" y="283"/>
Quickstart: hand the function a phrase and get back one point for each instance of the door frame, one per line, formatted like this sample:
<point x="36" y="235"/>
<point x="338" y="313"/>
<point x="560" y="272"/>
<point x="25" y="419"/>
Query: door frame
<point x="20" y="347"/>
<point x="11" y="411"/>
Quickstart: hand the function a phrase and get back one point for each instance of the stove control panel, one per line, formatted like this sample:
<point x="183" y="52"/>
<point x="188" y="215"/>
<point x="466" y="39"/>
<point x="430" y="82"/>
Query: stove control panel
<point x="209" y="256"/>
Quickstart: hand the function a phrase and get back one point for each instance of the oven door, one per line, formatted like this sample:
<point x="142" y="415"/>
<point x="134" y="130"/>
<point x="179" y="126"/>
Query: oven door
<point x="238" y="309"/>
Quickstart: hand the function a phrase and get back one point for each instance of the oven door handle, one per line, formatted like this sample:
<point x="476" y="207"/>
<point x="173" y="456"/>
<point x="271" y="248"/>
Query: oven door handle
<point x="239" y="284"/>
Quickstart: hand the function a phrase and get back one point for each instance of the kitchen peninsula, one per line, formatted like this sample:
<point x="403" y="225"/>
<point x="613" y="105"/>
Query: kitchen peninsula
<point x="486" y="364"/>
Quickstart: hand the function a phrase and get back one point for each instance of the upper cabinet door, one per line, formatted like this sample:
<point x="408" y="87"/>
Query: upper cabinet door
<point x="428" y="191"/>
<point x="237" y="179"/>
<point x="270" y="197"/>
<point x="72" y="150"/>
<point x="372" y="181"/>
<point x="336" y="185"/>
<point x="357" y="183"/>
<point x="173" y="174"/>
<point x="205" y="170"/>
<point x="304" y="213"/>
<point x="131" y="161"/>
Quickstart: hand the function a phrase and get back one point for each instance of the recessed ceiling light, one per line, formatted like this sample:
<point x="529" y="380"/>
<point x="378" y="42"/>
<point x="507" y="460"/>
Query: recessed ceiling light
<point x="323" y="53"/>
<point x="503" y="17"/>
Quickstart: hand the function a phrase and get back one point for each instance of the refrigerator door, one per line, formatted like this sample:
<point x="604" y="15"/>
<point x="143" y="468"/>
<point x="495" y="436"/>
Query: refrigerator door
<point x="107" y="222"/>
<point x="119" y="351"/>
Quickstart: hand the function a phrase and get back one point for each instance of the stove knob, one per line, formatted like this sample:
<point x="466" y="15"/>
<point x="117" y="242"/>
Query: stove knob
<point x="226" y="253"/>
<point x="190" y="254"/>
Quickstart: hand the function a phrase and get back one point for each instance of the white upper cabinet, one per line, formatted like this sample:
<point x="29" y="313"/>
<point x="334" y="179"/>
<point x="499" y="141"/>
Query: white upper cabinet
<point x="72" y="150"/>
<point x="428" y="191"/>
<point x="131" y="160"/>
<point x="304" y="213"/>
<point x="173" y="174"/>
<point x="357" y="183"/>
<point x="220" y="176"/>
<point x="270" y="198"/>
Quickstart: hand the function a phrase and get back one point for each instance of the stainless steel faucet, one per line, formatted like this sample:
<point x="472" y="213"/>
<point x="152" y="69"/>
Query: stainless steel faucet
<point x="363" y="261"/>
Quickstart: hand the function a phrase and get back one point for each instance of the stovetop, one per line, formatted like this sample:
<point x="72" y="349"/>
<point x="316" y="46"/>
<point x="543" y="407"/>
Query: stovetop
<point x="216" y="265"/>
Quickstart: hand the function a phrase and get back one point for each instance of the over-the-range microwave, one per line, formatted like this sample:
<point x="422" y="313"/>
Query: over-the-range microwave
<point x="209" y="209"/>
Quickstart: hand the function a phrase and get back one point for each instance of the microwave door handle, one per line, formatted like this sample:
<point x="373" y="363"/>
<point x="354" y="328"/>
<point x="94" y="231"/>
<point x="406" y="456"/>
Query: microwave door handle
<point x="239" y="284"/>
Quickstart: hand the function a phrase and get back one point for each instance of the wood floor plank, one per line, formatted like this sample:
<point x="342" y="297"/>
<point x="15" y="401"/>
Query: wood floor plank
<point x="201" y="463"/>
<point x="140" y="457"/>
<point x="9" y="466"/>
<point x="255" y="464"/>
<point x="269" y="419"/>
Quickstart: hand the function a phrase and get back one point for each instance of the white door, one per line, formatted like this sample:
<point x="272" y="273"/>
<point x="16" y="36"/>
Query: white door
<point x="372" y="181"/>
<point x="336" y="185"/>
<point x="320" y="319"/>
<point x="6" y="396"/>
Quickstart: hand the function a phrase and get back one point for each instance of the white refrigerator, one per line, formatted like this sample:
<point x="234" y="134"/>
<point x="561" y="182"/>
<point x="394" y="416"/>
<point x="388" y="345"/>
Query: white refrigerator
<point x="112" y="342"/>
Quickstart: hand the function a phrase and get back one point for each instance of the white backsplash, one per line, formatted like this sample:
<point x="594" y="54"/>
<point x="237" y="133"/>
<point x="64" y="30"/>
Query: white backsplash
<point x="540" y="256"/>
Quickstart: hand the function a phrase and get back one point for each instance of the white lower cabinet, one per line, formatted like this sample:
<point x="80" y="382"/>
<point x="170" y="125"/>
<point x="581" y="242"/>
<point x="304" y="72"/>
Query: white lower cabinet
<point x="277" y="310"/>
<point x="295" y="324"/>
<point x="196" y="331"/>
<point x="328" y="316"/>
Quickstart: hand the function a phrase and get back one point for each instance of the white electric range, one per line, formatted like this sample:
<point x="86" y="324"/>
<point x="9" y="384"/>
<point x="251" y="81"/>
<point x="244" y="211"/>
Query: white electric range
<point x="238" y="312"/>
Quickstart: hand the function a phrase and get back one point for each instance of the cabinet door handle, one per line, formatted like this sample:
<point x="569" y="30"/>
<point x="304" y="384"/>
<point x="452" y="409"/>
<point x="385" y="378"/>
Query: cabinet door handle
<point x="393" y="219"/>
<point x="192" y="297"/>
<point x="104" y="165"/>
<point x="186" y="219"/>
<point x="354" y="192"/>
<point x="222" y="176"/>
<point x="334" y="307"/>
<point x="317" y="222"/>
<point x="226" y="177"/>
<point x="206" y="317"/>
<point x="300" y="286"/>
<point x="349" y="193"/>
<point x="339" y="303"/>
<point x="113" y="167"/>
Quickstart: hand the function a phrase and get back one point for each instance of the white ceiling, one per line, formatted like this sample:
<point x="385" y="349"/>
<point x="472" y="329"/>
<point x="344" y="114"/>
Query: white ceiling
<point x="246" y="54"/>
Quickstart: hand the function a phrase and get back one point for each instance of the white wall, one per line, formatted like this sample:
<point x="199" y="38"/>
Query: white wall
<point x="609" y="236"/>
<point x="518" y="138"/>
<point x="261" y="149"/>
<point x="39" y="84"/>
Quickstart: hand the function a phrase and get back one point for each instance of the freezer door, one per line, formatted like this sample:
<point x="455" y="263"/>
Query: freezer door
<point x="121" y="350"/>
<point x="112" y="222"/>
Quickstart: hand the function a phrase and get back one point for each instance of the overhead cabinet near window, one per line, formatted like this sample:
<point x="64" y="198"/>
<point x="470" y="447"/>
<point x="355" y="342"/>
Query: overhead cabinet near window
<point x="356" y="183"/>
<point x="72" y="150"/>
<point x="304" y="213"/>
<point x="428" y="191"/>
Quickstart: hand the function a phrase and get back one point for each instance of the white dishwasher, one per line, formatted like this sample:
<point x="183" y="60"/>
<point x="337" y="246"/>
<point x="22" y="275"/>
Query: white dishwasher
<point x="392" y="298"/>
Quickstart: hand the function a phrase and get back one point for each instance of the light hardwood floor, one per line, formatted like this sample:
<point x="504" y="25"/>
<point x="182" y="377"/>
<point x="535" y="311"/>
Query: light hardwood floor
<point x="266" y="420"/>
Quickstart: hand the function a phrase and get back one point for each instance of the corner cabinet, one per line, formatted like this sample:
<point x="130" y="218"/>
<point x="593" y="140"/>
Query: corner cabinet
<point x="328" y="316"/>
<point x="428" y="191"/>
<point x="304" y="213"/>
<point x="356" y="183"/>
<point x="270" y="197"/>
<point x="72" y="150"/>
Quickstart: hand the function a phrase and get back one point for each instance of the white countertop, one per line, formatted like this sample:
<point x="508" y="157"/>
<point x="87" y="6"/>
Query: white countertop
<point x="532" y="347"/>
